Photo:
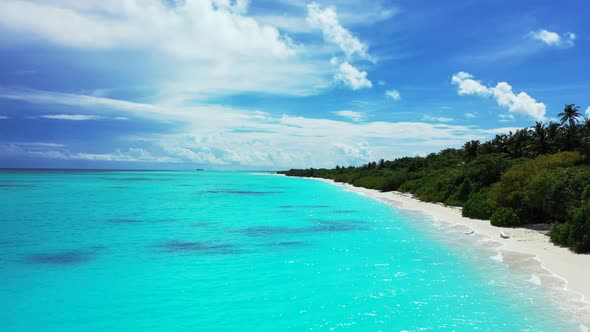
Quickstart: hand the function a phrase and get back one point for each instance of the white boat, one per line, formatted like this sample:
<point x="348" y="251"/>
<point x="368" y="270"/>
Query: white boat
<point x="504" y="235"/>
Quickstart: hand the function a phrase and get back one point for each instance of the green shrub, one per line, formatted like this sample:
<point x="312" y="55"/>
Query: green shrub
<point x="370" y="182"/>
<point x="560" y="234"/>
<point x="395" y="180"/>
<point x="505" y="217"/>
<point x="463" y="192"/>
<point x="579" y="237"/>
<point x="487" y="169"/>
<point x="478" y="206"/>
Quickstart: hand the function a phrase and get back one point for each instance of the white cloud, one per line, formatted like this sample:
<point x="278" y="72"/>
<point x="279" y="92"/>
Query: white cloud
<point x="79" y="117"/>
<point x="3" y="117"/>
<point x="242" y="55"/>
<point x="436" y="118"/>
<point x="235" y="138"/>
<point x="235" y="6"/>
<point x="334" y="32"/>
<point x="588" y="112"/>
<point x="352" y="77"/>
<point x="41" y="151"/>
<point x="393" y="94"/>
<point x="553" y="38"/>
<point x="45" y="97"/>
<point x="520" y="103"/>
<point x="506" y="117"/>
<point x="468" y="86"/>
<point x="352" y="115"/>
<point x="470" y="115"/>
<point x="182" y="30"/>
<point x="35" y="144"/>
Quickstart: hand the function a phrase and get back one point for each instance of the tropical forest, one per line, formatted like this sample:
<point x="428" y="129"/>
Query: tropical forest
<point x="535" y="175"/>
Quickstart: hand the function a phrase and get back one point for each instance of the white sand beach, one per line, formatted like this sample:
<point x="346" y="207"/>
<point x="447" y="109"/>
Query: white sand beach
<point x="564" y="273"/>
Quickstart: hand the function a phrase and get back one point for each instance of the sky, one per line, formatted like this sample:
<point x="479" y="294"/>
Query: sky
<point x="268" y="85"/>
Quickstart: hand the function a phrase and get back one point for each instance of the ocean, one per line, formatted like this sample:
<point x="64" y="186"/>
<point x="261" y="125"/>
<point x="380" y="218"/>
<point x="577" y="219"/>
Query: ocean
<point x="237" y="251"/>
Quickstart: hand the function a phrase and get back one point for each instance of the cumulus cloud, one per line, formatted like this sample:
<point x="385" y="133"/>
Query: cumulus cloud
<point x="176" y="35"/>
<point x="182" y="30"/>
<point x="352" y="115"/>
<point x="352" y="77"/>
<point x="520" y="103"/>
<point x="393" y="94"/>
<point x="469" y="86"/>
<point x="553" y="38"/>
<point x="334" y="32"/>
<point x="588" y="112"/>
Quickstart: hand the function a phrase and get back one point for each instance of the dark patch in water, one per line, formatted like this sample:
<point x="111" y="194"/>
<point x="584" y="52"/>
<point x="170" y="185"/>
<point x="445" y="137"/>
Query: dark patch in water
<point x="10" y="185"/>
<point x="339" y="225"/>
<point x="176" y="246"/>
<point x="118" y="187"/>
<point x="322" y="226"/>
<point x="7" y="242"/>
<point x="165" y="220"/>
<point x="136" y="179"/>
<point x="338" y="228"/>
<point x="303" y="206"/>
<point x="98" y="248"/>
<point x="241" y="192"/>
<point x="204" y="224"/>
<point x="125" y="221"/>
<point x="344" y="211"/>
<point x="138" y="221"/>
<point x="289" y="244"/>
<point x="262" y="231"/>
<point x="62" y="258"/>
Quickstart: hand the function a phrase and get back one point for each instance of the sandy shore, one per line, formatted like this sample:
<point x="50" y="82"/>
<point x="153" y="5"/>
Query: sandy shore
<point x="564" y="273"/>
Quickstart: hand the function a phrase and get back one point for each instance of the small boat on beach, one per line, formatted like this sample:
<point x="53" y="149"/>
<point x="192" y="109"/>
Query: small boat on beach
<point x="469" y="232"/>
<point x="504" y="235"/>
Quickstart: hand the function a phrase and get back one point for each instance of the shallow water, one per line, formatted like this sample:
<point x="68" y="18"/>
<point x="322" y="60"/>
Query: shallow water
<point x="153" y="251"/>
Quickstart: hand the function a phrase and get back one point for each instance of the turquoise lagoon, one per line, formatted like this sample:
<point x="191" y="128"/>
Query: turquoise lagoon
<point x="233" y="251"/>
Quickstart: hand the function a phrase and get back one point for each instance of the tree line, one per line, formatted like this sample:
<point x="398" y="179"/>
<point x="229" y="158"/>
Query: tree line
<point x="539" y="174"/>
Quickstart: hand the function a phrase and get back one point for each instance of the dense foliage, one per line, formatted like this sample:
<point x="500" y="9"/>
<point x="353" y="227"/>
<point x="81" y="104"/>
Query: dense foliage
<point x="534" y="175"/>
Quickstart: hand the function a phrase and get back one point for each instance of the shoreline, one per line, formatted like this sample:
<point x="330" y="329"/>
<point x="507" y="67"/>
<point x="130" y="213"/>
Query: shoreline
<point x="567" y="273"/>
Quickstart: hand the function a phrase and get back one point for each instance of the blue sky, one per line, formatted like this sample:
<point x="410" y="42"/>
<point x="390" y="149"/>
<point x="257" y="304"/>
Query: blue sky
<point x="261" y="84"/>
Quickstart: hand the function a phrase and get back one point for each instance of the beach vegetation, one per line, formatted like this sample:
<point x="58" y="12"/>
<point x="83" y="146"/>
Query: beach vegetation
<point x="539" y="174"/>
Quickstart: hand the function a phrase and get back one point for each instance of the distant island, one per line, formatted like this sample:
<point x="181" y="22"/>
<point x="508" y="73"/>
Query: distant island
<point x="535" y="175"/>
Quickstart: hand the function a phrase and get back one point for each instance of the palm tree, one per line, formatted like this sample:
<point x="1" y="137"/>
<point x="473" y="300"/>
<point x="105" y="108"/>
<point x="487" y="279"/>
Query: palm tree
<point x="500" y="143"/>
<point x="570" y="114"/>
<point x="470" y="148"/>
<point x="540" y="138"/>
<point x="517" y="142"/>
